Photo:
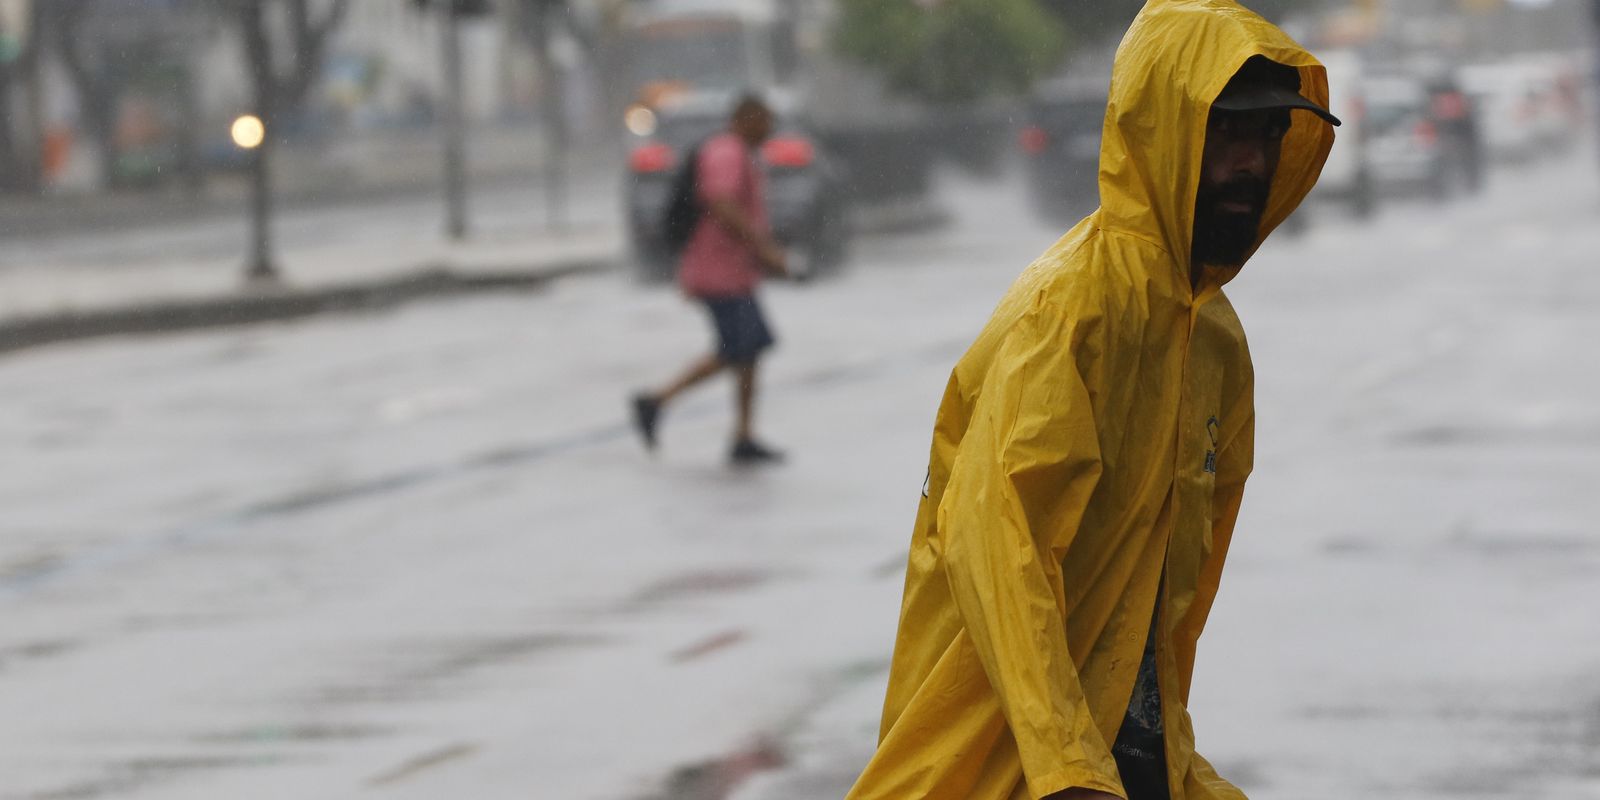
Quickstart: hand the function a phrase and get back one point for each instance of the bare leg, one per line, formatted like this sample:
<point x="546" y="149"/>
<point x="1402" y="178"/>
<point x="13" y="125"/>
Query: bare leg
<point x="746" y="374"/>
<point x="697" y="372"/>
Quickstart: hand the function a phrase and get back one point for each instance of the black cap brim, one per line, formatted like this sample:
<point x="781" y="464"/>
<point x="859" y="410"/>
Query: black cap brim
<point x="1260" y="97"/>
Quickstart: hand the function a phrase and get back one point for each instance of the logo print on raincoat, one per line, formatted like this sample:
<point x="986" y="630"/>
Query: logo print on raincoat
<point x="1069" y="482"/>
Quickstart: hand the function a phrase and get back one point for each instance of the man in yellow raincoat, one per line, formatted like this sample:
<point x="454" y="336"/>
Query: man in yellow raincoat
<point x="1092" y="446"/>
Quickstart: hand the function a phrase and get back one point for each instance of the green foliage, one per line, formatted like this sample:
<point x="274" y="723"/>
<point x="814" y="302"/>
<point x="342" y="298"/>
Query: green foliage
<point x="952" y="50"/>
<point x="1091" y="20"/>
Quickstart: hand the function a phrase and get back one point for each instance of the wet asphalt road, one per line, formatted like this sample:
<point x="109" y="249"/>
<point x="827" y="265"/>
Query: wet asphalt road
<point x="419" y="553"/>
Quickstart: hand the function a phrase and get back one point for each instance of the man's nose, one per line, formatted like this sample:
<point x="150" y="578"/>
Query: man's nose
<point x="1248" y="157"/>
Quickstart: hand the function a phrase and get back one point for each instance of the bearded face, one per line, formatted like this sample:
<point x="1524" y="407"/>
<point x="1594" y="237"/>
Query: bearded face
<point x="1241" y="156"/>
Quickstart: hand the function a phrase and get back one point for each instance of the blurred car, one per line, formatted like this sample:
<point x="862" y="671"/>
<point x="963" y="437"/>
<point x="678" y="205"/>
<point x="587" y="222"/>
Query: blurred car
<point x="1558" y="86"/>
<point x="1060" y="141"/>
<point x="1347" y="175"/>
<point x="1519" y="108"/>
<point x="807" y="201"/>
<point x="1404" y="150"/>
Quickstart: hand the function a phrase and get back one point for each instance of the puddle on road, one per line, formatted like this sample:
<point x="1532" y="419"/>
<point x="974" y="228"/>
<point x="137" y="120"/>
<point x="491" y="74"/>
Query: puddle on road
<point x="22" y="569"/>
<point x="718" y="778"/>
<point x="699" y="582"/>
<point x="422" y="668"/>
<point x="423" y="762"/>
<point x="16" y="655"/>
<point x="707" y="646"/>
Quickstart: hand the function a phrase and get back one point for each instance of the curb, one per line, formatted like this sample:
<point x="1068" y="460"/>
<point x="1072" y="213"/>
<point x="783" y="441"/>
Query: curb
<point x="170" y="316"/>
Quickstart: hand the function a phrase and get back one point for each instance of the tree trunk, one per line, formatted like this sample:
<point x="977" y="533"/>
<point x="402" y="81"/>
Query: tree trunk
<point x="33" y="87"/>
<point x="10" y="155"/>
<point x="21" y="141"/>
<point x="97" y="99"/>
<point x="261" y="266"/>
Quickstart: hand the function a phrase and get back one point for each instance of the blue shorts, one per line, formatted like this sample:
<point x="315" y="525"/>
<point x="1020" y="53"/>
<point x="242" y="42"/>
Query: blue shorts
<point x="742" y="332"/>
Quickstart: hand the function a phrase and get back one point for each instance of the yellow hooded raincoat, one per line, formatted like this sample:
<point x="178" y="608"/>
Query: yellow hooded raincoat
<point x="1089" y="455"/>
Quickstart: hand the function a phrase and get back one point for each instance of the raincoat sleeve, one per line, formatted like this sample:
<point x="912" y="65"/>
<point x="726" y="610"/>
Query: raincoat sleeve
<point x="1018" y="488"/>
<point x="1234" y="461"/>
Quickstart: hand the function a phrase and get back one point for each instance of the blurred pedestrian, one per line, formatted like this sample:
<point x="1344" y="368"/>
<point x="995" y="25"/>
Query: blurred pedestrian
<point x="720" y="268"/>
<point x="1091" y="450"/>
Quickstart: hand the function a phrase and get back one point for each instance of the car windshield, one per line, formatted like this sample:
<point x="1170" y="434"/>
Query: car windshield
<point x="703" y="55"/>
<point x="1393" y="102"/>
<point x="1386" y="117"/>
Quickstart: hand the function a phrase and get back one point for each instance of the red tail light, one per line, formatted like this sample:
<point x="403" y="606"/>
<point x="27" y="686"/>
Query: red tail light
<point x="1033" y="140"/>
<point x="789" y="152"/>
<point x="1450" y="106"/>
<point x="654" y="157"/>
<point x="1426" y="133"/>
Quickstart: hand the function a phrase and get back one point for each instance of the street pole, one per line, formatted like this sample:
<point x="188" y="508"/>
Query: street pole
<point x="554" y="116"/>
<point x="1594" y="61"/>
<point x="455" y="173"/>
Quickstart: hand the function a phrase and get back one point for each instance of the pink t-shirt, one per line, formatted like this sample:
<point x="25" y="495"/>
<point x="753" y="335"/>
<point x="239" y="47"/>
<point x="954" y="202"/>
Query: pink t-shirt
<point x="715" y="262"/>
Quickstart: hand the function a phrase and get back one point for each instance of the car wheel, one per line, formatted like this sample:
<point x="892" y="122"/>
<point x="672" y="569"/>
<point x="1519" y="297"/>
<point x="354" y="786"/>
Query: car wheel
<point x="1364" y="197"/>
<point x="1439" y="184"/>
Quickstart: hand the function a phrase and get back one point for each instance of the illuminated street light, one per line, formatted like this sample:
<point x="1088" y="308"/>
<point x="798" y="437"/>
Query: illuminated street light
<point x="248" y="131"/>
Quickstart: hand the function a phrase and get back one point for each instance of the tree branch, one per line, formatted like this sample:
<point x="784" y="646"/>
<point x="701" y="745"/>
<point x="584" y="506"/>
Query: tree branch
<point x="310" y="48"/>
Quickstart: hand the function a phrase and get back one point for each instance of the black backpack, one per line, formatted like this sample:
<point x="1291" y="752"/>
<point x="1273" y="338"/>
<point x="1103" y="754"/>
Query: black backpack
<point x="683" y="205"/>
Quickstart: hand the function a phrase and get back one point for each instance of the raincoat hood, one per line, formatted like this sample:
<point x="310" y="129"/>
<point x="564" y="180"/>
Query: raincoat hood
<point x="1172" y="64"/>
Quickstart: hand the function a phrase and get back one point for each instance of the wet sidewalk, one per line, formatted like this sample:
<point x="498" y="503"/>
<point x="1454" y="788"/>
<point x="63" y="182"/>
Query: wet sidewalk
<point x="190" y="274"/>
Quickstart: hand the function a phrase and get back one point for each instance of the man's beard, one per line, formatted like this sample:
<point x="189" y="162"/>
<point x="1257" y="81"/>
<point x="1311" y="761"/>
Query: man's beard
<point x="1224" y="237"/>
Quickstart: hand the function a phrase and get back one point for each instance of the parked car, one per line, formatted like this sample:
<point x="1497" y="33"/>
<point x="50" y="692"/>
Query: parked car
<point x="807" y="201"/>
<point x="1060" y="141"/>
<point x="1404" y="148"/>
<point x="1512" y="100"/>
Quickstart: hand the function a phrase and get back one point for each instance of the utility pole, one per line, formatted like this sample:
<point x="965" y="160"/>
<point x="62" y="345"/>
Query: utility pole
<point x="455" y="172"/>
<point x="1594" y="76"/>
